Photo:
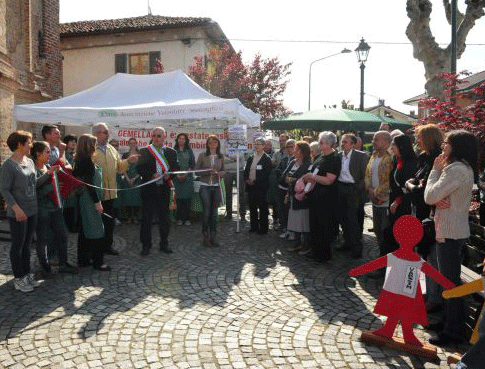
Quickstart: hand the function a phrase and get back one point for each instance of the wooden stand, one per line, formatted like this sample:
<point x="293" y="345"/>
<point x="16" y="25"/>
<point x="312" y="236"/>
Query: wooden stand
<point x="396" y="343"/>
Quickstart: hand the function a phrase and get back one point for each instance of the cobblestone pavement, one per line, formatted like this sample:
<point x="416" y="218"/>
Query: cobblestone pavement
<point x="248" y="304"/>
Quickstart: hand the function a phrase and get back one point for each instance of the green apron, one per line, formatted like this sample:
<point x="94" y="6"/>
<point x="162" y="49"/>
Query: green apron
<point x="92" y="222"/>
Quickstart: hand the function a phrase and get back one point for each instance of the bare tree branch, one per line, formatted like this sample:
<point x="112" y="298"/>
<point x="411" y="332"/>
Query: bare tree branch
<point x="435" y="59"/>
<point x="459" y="15"/>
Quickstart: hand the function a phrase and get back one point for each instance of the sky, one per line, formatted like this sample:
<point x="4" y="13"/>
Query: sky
<point x="304" y="31"/>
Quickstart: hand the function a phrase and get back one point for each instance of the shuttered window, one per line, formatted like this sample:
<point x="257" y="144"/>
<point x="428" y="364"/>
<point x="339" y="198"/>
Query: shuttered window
<point x="121" y="63"/>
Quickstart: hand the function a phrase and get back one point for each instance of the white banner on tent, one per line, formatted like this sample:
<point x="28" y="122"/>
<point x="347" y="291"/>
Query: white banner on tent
<point x="197" y="138"/>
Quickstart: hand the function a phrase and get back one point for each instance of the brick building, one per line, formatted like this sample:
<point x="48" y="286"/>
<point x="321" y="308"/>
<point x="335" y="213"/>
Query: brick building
<point x="30" y="59"/>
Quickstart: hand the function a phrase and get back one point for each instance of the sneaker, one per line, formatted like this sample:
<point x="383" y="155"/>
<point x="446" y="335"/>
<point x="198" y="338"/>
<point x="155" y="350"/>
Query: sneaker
<point x="22" y="284"/>
<point x="179" y="222"/>
<point x="284" y="235"/>
<point x="31" y="280"/>
<point x="188" y="223"/>
<point x="292" y="236"/>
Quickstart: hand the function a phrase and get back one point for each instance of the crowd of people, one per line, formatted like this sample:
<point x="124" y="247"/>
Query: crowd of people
<point x="315" y="188"/>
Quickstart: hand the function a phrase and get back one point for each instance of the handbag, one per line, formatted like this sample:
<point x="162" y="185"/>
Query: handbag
<point x="429" y="237"/>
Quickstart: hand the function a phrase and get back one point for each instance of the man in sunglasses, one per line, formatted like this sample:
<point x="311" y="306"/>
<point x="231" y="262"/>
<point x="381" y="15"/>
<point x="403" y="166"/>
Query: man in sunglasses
<point x="155" y="161"/>
<point x="106" y="156"/>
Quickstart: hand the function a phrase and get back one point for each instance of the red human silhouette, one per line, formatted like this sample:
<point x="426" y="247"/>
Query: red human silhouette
<point x="401" y="299"/>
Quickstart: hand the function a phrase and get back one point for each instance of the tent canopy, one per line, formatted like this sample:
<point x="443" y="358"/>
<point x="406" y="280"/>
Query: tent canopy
<point x="334" y="119"/>
<point x="138" y="101"/>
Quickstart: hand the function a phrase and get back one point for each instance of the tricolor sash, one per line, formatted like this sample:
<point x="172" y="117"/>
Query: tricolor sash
<point x="160" y="160"/>
<point x="162" y="168"/>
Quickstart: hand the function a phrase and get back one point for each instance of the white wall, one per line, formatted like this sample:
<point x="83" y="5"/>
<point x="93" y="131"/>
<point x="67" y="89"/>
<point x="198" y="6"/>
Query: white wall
<point x="90" y="60"/>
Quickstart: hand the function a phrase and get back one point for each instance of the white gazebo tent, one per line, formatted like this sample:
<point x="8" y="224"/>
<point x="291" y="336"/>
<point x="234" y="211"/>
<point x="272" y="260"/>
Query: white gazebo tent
<point x="143" y="102"/>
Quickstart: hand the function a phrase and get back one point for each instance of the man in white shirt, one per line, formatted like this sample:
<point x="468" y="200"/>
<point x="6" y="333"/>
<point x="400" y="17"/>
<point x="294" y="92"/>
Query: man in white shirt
<point x="351" y="186"/>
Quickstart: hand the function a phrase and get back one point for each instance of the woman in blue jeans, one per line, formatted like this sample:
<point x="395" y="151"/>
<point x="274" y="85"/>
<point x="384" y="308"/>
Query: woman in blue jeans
<point x="18" y="189"/>
<point x="51" y="228"/>
<point x="210" y="190"/>
<point x="449" y="187"/>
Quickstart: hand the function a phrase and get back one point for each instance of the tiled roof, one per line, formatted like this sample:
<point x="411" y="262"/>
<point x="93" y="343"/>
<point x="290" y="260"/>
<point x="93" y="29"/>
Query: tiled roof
<point x="130" y="24"/>
<point x="473" y="81"/>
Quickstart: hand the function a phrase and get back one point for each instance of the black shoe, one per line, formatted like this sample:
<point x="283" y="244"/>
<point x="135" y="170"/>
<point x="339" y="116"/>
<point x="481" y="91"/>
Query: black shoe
<point x="435" y="308"/>
<point x="84" y="264"/>
<point x="111" y="251"/>
<point x="442" y="339"/>
<point x="145" y="251"/>
<point x="343" y="247"/>
<point x="262" y="232"/>
<point x="435" y="327"/>
<point x="102" y="268"/>
<point x="356" y="255"/>
<point x="376" y="274"/>
<point x="67" y="268"/>
<point x="253" y="230"/>
<point x="228" y="216"/>
<point x="165" y="249"/>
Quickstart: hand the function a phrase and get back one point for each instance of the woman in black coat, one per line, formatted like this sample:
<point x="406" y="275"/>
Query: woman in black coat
<point x="256" y="177"/>
<point x="404" y="168"/>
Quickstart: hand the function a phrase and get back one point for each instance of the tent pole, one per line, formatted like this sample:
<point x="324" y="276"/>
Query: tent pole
<point x="237" y="184"/>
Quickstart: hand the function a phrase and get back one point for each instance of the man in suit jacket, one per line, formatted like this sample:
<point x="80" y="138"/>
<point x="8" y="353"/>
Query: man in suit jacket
<point x="351" y="187"/>
<point x="155" y="160"/>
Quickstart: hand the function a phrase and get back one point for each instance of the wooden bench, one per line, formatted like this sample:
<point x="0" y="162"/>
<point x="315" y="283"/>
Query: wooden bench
<point x="471" y="271"/>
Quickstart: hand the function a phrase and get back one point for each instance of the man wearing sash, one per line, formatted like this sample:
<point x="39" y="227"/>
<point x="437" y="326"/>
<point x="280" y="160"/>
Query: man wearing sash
<point x="155" y="161"/>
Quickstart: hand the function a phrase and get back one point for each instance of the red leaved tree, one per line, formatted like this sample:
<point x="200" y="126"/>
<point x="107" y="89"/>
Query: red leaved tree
<point x="462" y="109"/>
<point x="158" y="68"/>
<point x="259" y="85"/>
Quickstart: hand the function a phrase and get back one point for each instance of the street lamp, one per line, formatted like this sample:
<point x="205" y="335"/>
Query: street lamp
<point x="344" y="51"/>
<point x="362" y="54"/>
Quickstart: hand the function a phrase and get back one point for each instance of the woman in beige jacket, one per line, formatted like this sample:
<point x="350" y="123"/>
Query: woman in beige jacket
<point x="449" y="187"/>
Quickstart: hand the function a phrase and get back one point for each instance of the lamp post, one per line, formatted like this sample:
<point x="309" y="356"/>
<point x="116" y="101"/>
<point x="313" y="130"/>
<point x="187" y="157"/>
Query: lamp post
<point x="344" y="51"/>
<point x="362" y="54"/>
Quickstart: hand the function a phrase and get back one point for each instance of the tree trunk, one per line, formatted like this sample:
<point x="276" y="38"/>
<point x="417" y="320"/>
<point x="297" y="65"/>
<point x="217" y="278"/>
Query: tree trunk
<point x="435" y="59"/>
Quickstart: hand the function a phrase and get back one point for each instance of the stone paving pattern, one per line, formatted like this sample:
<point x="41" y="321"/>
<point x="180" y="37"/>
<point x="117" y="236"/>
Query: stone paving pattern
<point x="248" y="304"/>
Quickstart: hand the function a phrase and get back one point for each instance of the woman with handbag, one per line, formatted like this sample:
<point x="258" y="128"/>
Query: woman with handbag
<point x="323" y="198"/>
<point x="452" y="177"/>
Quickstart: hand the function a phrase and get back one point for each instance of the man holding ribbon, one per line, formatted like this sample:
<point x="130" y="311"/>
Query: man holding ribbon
<point x="156" y="161"/>
<point x="106" y="157"/>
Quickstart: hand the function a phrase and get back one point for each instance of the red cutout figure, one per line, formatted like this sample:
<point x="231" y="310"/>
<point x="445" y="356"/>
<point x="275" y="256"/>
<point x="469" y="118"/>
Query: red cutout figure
<point x="401" y="299"/>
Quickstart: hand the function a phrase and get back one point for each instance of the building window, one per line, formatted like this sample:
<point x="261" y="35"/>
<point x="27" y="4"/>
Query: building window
<point x="142" y="63"/>
<point x="139" y="64"/>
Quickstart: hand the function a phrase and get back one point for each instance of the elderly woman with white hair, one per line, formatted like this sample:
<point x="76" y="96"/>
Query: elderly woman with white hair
<point x="256" y="176"/>
<point x="315" y="150"/>
<point x="323" y="173"/>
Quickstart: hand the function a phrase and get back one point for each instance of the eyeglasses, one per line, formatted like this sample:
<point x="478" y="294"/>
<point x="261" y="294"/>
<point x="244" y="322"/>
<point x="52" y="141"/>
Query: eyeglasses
<point x="157" y="135"/>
